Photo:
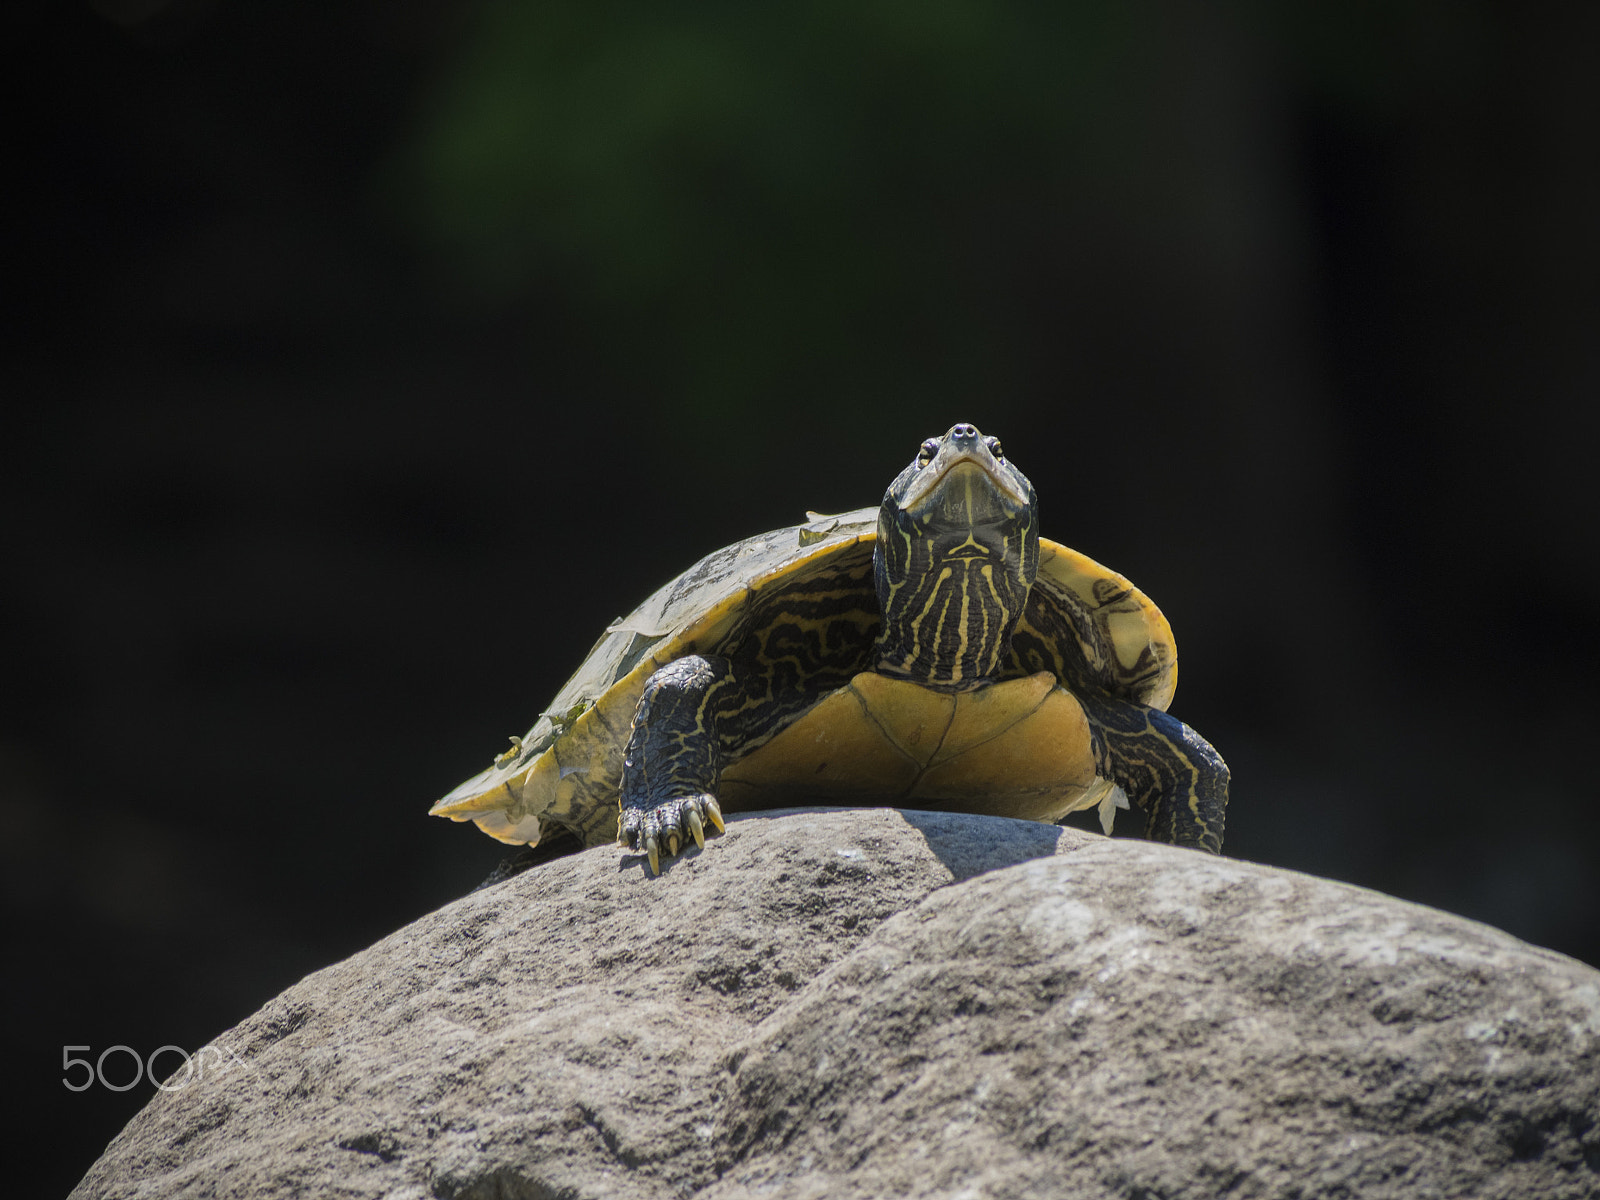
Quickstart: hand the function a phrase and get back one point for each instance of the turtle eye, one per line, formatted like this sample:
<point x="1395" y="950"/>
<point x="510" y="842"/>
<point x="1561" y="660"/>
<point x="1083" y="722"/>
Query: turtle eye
<point x="926" y="453"/>
<point x="994" y="447"/>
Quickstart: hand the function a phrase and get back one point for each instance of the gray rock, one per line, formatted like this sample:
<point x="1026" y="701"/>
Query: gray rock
<point x="885" y="1003"/>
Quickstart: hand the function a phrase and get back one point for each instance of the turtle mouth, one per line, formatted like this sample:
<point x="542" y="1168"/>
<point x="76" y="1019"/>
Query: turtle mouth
<point x="970" y="478"/>
<point x="967" y="510"/>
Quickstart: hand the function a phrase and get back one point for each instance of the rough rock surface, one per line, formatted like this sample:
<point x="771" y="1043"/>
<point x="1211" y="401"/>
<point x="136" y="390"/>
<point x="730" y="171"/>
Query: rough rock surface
<point x="884" y="1003"/>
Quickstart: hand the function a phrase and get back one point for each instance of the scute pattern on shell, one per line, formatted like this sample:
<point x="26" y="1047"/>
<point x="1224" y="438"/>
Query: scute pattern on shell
<point x="1086" y="624"/>
<point x="1089" y="625"/>
<point x="696" y="610"/>
<point x="692" y="603"/>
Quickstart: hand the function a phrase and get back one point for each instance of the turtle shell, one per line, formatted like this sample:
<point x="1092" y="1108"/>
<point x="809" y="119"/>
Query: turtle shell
<point x="1084" y="623"/>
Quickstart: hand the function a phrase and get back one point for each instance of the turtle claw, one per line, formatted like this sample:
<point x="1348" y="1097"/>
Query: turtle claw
<point x="667" y="828"/>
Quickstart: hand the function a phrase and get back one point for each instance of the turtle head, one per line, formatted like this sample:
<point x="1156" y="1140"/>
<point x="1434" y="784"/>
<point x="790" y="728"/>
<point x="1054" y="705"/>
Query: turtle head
<point x="957" y="550"/>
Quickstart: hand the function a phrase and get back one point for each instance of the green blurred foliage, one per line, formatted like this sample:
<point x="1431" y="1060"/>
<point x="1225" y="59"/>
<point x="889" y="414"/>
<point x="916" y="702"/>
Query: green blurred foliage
<point x="872" y="213"/>
<point x="748" y="189"/>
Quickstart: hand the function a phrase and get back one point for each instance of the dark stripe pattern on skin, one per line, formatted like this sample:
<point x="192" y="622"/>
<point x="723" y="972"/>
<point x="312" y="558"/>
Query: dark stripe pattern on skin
<point x="948" y="620"/>
<point x="1165" y="767"/>
<point x="948" y="601"/>
<point x="701" y="712"/>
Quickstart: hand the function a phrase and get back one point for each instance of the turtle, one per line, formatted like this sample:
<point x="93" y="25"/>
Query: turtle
<point x="934" y="652"/>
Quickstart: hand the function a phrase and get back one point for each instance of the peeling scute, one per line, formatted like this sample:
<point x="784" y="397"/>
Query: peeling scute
<point x="700" y="610"/>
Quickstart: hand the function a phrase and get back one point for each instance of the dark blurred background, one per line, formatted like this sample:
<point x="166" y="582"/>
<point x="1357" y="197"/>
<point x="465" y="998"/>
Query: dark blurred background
<point x="362" y="360"/>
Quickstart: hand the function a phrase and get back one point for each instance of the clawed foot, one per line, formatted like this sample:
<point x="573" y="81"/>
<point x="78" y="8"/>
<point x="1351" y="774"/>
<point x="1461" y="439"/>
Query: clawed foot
<point x="669" y="826"/>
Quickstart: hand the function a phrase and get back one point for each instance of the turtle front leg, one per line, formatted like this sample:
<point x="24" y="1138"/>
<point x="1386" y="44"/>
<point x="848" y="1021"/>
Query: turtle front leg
<point x="1166" y="768"/>
<point x="673" y="760"/>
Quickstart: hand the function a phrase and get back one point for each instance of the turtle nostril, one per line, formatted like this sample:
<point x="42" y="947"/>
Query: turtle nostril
<point x="966" y="431"/>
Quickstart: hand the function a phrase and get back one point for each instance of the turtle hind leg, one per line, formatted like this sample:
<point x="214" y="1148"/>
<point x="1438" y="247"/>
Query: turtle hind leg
<point x="1165" y="767"/>
<point x="673" y="760"/>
